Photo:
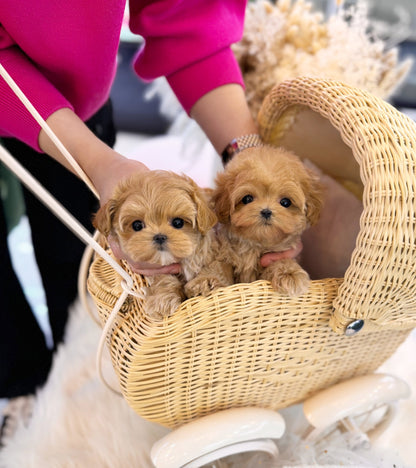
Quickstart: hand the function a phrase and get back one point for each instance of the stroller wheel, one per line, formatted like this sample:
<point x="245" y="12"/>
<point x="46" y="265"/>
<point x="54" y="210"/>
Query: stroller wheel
<point x="363" y="406"/>
<point x="219" y="435"/>
<point x="209" y="459"/>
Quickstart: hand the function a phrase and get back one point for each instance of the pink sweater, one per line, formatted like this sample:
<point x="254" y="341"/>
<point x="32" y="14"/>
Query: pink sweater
<point x="63" y="53"/>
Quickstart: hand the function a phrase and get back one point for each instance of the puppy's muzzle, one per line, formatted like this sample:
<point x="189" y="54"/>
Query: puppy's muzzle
<point x="160" y="240"/>
<point x="266" y="213"/>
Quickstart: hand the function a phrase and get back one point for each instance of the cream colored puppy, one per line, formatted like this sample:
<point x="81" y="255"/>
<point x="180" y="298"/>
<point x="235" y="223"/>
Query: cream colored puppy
<point x="264" y="200"/>
<point x="161" y="217"/>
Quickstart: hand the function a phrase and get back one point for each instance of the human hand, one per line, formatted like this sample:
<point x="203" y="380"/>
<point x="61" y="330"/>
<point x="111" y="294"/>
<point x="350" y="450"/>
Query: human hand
<point x="328" y="245"/>
<point x="270" y="257"/>
<point x="104" y="167"/>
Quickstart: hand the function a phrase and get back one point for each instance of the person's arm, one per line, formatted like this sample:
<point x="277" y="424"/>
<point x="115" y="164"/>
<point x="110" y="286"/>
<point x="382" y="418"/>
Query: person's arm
<point x="223" y="114"/>
<point x="104" y="166"/>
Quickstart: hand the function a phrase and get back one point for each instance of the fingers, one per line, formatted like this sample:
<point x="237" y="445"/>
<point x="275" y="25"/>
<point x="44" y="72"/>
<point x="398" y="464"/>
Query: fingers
<point x="171" y="269"/>
<point x="116" y="169"/>
<point x="270" y="257"/>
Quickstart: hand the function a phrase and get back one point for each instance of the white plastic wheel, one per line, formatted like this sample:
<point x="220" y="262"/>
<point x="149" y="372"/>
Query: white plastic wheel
<point x="219" y="435"/>
<point x="259" y="445"/>
<point x="363" y="406"/>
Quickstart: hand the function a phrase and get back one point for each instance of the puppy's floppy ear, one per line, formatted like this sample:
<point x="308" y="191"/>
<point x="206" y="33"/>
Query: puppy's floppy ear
<point x="205" y="215"/>
<point x="314" y="198"/>
<point x="221" y="198"/>
<point x="103" y="219"/>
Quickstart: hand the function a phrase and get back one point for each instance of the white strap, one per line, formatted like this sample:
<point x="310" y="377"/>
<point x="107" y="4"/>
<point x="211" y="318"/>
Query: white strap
<point x="58" y="210"/>
<point x="29" y="106"/>
<point x="31" y="183"/>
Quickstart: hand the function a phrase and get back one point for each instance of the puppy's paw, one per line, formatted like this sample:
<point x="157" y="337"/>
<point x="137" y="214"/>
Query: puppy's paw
<point x="202" y="286"/>
<point x="293" y="283"/>
<point x="287" y="277"/>
<point x="162" y="305"/>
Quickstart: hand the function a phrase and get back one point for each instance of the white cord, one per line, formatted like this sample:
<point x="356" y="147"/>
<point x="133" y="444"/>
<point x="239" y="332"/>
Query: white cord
<point x="58" y="210"/>
<point x="29" y="106"/>
<point x="107" y="328"/>
<point x="31" y="183"/>
<point x="82" y="280"/>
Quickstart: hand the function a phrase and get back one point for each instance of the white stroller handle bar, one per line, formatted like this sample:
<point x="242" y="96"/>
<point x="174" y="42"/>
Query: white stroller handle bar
<point x="43" y="194"/>
<point x="58" y="210"/>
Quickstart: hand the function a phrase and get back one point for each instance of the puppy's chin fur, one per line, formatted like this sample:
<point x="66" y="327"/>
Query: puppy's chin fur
<point x="264" y="200"/>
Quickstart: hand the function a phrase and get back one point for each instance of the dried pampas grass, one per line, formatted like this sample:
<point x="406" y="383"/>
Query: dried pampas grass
<point x="289" y="39"/>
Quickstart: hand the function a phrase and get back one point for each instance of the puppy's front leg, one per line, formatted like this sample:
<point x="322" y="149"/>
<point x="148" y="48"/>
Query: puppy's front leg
<point x="287" y="277"/>
<point x="215" y="275"/>
<point x="163" y="296"/>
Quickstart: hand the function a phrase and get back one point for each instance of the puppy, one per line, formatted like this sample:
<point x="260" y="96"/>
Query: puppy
<point x="161" y="217"/>
<point x="264" y="200"/>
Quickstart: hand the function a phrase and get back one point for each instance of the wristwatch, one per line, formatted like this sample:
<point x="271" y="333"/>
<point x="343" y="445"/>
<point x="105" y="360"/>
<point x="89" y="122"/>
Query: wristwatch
<point x="239" y="144"/>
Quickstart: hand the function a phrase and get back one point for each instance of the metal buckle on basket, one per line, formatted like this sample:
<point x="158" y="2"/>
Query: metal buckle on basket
<point x="354" y="327"/>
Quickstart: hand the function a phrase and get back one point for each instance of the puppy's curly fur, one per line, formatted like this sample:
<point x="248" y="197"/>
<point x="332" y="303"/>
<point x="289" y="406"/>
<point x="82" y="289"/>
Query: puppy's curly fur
<point x="161" y="217"/>
<point x="264" y="200"/>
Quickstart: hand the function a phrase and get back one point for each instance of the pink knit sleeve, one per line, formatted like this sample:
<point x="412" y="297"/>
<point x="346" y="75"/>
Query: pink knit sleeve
<point x="15" y="120"/>
<point x="189" y="43"/>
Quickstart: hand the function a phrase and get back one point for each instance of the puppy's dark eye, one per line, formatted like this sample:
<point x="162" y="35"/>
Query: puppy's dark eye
<point x="178" y="223"/>
<point x="137" y="225"/>
<point x="285" y="202"/>
<point x="247" y="199"/>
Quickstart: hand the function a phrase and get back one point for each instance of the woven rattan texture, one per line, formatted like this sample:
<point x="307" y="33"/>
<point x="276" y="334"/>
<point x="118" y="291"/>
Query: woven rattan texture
<point x="247" y="345"/>
<point x="243" y="345"/>
<point x="380" y="283"/>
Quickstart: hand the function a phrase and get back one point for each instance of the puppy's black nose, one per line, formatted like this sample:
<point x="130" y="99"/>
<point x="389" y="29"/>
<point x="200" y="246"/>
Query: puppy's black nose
<point x="160" y="239"/>
<point x="266" y="213"/>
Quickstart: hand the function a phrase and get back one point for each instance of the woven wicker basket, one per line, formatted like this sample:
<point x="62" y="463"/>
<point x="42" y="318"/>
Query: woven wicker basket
<point x="246" y="345"/>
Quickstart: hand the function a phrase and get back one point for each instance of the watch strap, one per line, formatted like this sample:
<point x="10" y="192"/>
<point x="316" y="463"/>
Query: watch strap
<point x="239" y="144"/>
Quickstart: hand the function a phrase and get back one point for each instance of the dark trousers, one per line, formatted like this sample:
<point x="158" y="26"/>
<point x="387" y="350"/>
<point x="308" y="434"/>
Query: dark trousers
<point x="25" y="359"/>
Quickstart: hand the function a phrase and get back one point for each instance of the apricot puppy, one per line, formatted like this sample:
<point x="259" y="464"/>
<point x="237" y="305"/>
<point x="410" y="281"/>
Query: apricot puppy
<point x="161" y="217"/>
<point x="264" y="200"/>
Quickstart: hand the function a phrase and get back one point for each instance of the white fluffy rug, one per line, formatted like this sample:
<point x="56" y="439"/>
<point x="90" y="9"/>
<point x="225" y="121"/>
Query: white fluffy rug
<point x="78" y="422"/>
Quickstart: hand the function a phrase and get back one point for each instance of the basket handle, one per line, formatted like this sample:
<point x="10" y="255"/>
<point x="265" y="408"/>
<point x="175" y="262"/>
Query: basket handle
<point x="380" y="283"/>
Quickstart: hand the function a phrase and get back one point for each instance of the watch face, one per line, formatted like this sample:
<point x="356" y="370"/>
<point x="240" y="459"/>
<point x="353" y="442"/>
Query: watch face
<point x="239" y="144"/>
<point x="230" y="150"/>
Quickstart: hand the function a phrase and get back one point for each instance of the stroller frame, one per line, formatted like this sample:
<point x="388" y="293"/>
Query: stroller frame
<point x="166" y="373"/>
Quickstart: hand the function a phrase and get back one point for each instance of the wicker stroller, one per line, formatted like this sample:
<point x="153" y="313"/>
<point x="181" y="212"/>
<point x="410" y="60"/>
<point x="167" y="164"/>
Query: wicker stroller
<point x="246" y="351"/>
<point x="245" y="345"/>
